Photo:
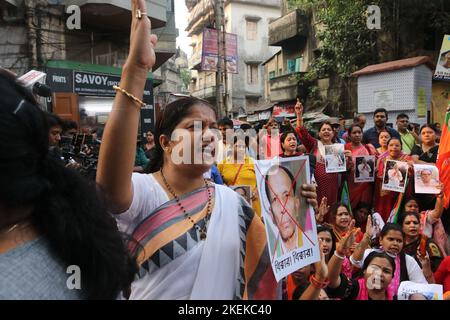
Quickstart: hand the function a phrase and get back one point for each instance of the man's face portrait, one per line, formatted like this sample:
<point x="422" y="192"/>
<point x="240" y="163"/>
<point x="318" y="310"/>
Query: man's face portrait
<point x="425" y="176"/>
<point x="284" y="205"/>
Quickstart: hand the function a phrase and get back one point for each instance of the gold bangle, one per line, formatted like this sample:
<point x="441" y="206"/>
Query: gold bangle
<point x="129" y="95"/>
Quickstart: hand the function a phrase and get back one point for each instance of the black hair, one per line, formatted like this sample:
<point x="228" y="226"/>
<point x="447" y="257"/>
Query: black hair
<point x="408" y="199"/>
<point x="357" y="118"/>
<point x="225" y="121"/>
<point x="403" y="216"/>
<point x="237" y="138"/>
<point x="378" y="110"/>
<point x="324" y="228"/>
<point x="427" y="125"/>
<point x="53" y="120"/>
<point x="350" y="129"/>
<point x="390" y="227"/>
<point x="70" y="124"/>
<point x="284" y="136"/>
<point x="245" y="126"/>
<point x="402" y="116"/>
<point x="363" y="205"/>
<point x="377" y="254"/>
<point x="395" y="138"/>
<point x="65" y="208"/>
<point x="171" y="116"/>
<point x="333" y="212"/>
<point x="270" y="171"/>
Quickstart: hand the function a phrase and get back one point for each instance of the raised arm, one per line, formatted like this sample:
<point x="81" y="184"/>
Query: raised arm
<point x="308" y="141"/>
<point x="117" y="151"/>
<point x="318" y="281"/>
<point x="436" y="214"/>
<point x="336" y="260"/>
<point x="358" y="254"/>
<point x="299" y="112"/>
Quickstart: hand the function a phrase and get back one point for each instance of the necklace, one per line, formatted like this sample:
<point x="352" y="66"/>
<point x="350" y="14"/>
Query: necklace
<point x="203" y="231"/>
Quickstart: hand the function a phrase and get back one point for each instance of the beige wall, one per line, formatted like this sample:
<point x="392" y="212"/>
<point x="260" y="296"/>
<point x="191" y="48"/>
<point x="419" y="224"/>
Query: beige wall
<point x="439" y="101"/>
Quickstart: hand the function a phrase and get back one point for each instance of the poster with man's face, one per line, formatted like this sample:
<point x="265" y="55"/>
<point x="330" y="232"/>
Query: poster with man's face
<point x="395" y="176"/>
<point x="364" y="169"/>
<point x="426" y="178"/>
<point x="442" y="71"/>
<point x="288" y="218"/>
<point x="335" y="158"/>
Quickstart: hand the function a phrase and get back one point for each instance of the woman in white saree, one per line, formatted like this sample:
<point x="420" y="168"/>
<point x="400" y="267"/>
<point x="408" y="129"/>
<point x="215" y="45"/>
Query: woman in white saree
<point x="194" y="239"/>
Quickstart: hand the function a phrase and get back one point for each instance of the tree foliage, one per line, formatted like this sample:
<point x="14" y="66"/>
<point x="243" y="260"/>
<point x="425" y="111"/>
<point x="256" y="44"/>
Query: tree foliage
<point x="185" y="75"/>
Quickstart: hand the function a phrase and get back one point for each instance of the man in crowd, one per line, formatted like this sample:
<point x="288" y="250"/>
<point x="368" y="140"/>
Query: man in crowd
<point x="380" y="118"/>
<point x="409" y="138"/>
<point x="225" y="150"/>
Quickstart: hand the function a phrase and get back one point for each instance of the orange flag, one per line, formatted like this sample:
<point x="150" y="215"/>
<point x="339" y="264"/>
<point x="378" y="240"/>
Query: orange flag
<point x="443" y="162"/>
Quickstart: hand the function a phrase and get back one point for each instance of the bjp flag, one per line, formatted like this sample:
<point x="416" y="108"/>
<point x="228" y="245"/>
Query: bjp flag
<point x="443" y="162"/>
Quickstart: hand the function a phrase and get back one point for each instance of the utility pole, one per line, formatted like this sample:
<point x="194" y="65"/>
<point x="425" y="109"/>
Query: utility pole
<point x="219" y="17"/>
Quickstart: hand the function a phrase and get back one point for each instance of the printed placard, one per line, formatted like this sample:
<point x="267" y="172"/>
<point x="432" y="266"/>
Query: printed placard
<point x="395" y="176"/>
<point x="426" y="179"/>
<point x="289" y="220"/>
<point x="364" y="169"/>
<point x="335" y="158"/>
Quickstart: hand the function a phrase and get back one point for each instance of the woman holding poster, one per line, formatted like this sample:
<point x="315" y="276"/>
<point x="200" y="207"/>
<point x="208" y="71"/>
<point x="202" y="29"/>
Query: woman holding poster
<point x="359" y="192"/>
<point x="317" y="149"/>
<point x="385" y="200"/>
<point x="177" y="219"/>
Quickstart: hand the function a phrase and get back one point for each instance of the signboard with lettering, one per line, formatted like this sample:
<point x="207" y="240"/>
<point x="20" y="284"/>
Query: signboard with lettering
<point x="95" y="84"/>
<point x="100" y="85"/>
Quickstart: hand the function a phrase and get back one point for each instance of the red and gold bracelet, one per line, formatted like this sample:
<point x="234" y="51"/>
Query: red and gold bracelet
<point x="318" y="284"/>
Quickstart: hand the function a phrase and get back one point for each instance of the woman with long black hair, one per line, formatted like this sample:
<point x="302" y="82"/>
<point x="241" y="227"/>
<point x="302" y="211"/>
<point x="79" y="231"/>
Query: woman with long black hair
<point x="56" y="239"/>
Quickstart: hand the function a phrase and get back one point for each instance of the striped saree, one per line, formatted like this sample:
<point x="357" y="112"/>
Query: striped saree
<point x="231" y="263"/>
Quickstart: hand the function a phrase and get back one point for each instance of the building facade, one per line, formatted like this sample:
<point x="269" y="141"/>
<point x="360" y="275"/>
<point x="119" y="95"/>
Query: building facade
<point x="81" y="45"/>
<point x="249" y="21"/>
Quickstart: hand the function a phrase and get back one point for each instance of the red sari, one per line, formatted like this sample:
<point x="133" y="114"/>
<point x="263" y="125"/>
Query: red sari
<point x="327" y="183"/>
<point x="384" y="201"/>
<point x="360" y="192"/>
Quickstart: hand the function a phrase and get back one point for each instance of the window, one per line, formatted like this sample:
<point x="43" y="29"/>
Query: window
<point x="271" y="74"/>
<point x="252" y="30"/>
<point x="252" y="73"/>
<point x="290" y="66"/>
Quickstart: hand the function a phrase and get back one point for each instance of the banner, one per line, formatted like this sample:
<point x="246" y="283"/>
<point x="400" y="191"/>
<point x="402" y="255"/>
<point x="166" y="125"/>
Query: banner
<point x="289" y="220"/>
<point x="443" y="65"/>
<point x="210" y="51"/>
<point x="443" y="162"/>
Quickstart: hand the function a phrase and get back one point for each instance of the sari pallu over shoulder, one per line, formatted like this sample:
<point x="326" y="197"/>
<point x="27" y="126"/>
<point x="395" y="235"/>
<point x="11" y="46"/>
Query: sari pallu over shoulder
<point x="233" y="261"/>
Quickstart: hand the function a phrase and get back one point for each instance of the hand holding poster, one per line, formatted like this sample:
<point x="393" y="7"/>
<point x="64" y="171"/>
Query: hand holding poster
<point x="335" y="158"/>
<point x="426" y="179"/>
<point x="395" y="176"/>
<point x="364" y="169"/>
<point x="289" y="219"/>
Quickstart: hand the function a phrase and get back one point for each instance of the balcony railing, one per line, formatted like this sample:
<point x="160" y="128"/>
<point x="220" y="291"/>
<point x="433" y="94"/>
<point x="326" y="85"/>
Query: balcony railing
<point x="288" y="27"/>
<point x="205" y="93"/>
<point x="115" y="14"/>
<point x="284" y="87"/>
